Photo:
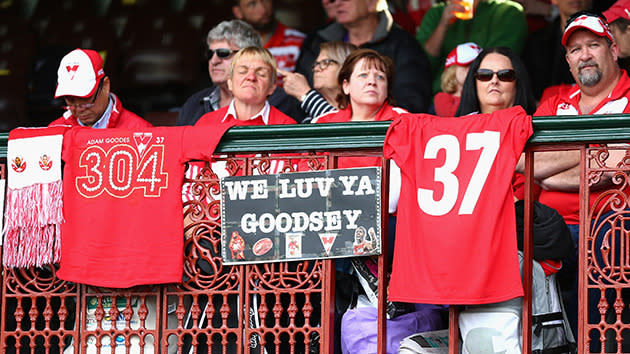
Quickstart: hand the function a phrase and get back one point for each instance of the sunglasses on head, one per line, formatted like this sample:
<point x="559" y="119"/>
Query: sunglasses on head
<point x="508" y="75"/>
<point x="221" y="53"/>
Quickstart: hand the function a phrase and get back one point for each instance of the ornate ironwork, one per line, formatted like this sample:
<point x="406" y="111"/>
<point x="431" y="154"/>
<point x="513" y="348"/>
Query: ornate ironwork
<point x="209" y="311"/>
<point x="606" y="318"/>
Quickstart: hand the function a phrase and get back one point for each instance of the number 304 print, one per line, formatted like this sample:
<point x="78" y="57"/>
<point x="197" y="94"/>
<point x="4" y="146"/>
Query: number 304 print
<point x="122" y="169"/>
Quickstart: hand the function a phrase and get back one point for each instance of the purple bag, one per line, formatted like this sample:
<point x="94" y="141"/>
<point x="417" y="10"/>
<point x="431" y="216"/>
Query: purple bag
<point x="359" y="333"/>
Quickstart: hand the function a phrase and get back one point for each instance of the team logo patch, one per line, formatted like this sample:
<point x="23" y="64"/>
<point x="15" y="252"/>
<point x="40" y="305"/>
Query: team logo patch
<point x="565" y="109"/>
<point x="72" y="70"/>
<point x="18" y="164"/>
<point x="142" y="140"/>
<point x="45" y="163"/>
<point x="328" y="239"/>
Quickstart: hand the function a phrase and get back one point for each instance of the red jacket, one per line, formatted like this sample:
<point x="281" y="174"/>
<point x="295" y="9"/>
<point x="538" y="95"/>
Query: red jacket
<point x="567" y="103"/>
<point x="120" y="118"/>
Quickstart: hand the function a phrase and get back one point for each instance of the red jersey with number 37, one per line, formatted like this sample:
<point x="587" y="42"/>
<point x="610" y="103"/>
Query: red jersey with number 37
<point x="456" y="229"/>
<point x="122" y="203"/>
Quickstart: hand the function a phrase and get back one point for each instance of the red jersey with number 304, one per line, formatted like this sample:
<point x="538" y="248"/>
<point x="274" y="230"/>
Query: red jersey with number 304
<point x="456" y="228"/>
<point x="122" y="203"/>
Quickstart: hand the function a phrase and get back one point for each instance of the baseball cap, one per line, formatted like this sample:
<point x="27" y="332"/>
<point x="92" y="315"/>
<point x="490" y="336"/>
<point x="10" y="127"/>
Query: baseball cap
<point x="79" y="73"/>
<point x="589" y="22"/>
<point x="462" y="55"/>
<point x="620" y="9"/>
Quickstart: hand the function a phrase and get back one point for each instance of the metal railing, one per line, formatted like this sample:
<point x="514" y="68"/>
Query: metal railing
<point x="288" y="307"/>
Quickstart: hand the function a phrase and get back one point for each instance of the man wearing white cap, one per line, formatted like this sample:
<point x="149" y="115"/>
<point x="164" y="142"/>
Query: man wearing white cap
<point x="82" y="83"/>
<point x="601" y="88"/>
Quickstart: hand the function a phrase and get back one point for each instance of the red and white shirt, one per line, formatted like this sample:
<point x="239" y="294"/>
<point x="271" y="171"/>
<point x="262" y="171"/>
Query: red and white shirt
<point x="284" y="44"/>
<point x="122" y="203"/>
<point x="567" y="103"/>
<point x="456" y="227"/>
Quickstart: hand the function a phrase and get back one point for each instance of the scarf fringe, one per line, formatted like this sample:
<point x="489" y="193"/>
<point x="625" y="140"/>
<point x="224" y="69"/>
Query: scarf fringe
<point x="33" y="218"/>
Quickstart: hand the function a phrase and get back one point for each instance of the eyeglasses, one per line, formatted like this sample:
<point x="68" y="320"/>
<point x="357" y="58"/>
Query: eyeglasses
<point x="508" y="75"/>
<point x="323" y="64"/>
<point x="221" y="53"/>
<point x="85" y="105"/>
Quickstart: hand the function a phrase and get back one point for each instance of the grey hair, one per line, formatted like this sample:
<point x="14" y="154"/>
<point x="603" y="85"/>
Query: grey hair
<point x="337" y="50"/>
<point x="235" y="32"/>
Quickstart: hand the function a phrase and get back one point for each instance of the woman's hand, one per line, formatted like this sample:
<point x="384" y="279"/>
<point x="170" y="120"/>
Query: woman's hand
<point x="294" y="84"/>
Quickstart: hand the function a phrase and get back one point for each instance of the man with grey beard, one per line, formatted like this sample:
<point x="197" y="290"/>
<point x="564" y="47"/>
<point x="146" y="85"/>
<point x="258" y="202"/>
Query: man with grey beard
<point x="601" y="88"/>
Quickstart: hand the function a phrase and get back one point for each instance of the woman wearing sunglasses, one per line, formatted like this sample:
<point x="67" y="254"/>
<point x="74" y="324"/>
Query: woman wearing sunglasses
<point x="496" y="80"/>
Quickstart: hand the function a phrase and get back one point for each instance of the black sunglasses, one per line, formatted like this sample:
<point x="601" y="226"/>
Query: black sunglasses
<point x="221" y="53"/>
<point x="508" y="75"/>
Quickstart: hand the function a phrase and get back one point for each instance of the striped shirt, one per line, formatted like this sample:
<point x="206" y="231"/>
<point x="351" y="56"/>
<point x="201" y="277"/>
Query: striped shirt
<point x="315" y="105"/>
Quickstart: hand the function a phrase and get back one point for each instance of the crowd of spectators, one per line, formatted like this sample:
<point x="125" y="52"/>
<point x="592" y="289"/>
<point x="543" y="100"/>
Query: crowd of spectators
<point x="418" y="44"/>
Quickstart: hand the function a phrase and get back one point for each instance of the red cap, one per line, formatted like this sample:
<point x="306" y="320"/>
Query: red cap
<point x="620" y="9"/>
<point x="589" y="22"/>
<point x="79" y="73"/>
<point x="462" y="55"/>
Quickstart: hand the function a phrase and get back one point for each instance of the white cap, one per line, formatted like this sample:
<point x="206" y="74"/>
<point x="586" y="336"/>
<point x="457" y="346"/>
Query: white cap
<point x="79" y="73"/>
<point x="462" y="55"/>
<point x="589" y="22"/>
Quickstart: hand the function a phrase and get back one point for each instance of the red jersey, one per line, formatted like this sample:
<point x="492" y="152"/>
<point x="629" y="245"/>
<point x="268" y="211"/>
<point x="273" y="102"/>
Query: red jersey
<point x="387" y="112"/>
<point x="456" y="227"/>
<point x="119" y="118"/>
<point x="567" y="103"/>
<point x="122" y="203"/>
<point x="284" y="44"/>
<point x="445" y="104"/>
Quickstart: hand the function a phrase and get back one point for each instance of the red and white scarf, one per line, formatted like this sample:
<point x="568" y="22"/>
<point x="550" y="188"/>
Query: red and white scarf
<point x="33" y="209"/>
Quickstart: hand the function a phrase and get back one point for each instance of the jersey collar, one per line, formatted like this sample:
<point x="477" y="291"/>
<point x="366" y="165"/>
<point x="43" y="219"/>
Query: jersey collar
<point x="262" y="114"/>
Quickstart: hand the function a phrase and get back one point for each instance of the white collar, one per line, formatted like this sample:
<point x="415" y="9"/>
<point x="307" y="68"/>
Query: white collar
<point x="264" y="113"/>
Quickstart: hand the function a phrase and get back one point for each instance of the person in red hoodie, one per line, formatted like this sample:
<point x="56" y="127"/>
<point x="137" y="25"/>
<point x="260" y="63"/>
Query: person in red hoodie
<point x="85" y="88"/>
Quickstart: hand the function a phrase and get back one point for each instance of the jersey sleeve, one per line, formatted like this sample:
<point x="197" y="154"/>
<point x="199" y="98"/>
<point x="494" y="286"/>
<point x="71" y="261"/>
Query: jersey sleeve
<point x="199" y="142"/>
<point x="396" y="145"/>
<point x="68" y="144"/>
<point x="521" y="128"/>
